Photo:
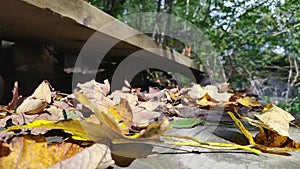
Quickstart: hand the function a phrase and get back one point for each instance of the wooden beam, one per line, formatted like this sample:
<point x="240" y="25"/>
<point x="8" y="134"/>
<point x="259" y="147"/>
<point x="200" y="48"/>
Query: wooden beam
<point x="69" y="24"/>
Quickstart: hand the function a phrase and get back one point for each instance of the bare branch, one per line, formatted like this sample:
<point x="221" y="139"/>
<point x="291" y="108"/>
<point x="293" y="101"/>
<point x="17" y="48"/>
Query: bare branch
<point x="286" y="30"/>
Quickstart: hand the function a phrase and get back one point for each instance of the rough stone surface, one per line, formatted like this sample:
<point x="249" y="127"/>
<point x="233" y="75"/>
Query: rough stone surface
<point x="205" y="158"/>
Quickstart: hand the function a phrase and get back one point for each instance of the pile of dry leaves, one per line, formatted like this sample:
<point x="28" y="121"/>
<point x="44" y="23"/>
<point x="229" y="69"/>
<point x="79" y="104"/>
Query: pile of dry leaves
<point x="55" y="130"/>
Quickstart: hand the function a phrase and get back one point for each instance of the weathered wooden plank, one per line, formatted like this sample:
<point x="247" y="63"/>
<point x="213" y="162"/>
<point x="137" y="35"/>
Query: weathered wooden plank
<point x="68" y="25"/>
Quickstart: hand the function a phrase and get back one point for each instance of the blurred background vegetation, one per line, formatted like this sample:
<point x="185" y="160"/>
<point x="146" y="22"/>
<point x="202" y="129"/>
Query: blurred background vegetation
<point x="258" y="41"/>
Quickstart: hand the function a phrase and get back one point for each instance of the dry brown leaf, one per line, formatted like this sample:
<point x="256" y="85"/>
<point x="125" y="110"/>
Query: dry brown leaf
<point x="157" y="96"/>
<point x="267" y="140"/>
<point x="32" y="106"/>
<point x="118" y="95"/>
<point x="187" y="51"/>
<point x="198" y="92"/>
<point x="270" y="138"/>
<point x="94" y="89"/>
<point x="13" y="103"/>
<point x="55" y="112"/>
<point x="242" y="128"/>
<point x="214" y="94"/>
<point x="277" y="119"/>
<point x="141" y="117"/>
<point x="63" y="105"/>
<point x="151" y="105"/>
<point x="33" y="152"/>
<point x="97" y="93"/>
<point x="96" y="156"/>
<point x="43" y="92"/>
<point x="19" y="119"/>
<point x="271" y="141"/>
<point x="37" y="101"/>
<point x="224" y="87"/>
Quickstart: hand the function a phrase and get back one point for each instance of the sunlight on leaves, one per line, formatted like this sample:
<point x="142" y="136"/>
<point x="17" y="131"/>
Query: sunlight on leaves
<point x="276" y="118"/>
<point x="34" y="152"/>
<point x="267" y="140"/>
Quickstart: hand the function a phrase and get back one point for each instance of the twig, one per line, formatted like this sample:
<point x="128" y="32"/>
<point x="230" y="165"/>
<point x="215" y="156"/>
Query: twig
<point x="286" y="30"/>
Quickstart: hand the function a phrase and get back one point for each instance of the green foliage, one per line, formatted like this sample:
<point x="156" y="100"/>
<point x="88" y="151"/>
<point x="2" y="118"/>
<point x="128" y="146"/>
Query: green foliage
<point x="255" y="40"/>
<point x="292" y="106"/>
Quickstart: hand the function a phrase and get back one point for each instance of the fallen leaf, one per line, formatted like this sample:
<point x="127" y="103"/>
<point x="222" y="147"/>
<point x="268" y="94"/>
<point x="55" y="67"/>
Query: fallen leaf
<point x="106" y="119"/>
<point x="63" y="105"/>
<point x="33" y="152"/>
<point x="155" y="129"/>
<point x="151" y="105"/>
<point x="223" y="87"/>
<point x="96" y="156"/>
<point x="142" y="117"/>
<point x="270" y="138"/>
<point x="43" y="92"/>
<point x="123" y="114"/>
<point x="276" y="118"/>
<point x="36" y="103"/>
<point x="248" y="101"/>
<point x="214" y="94"/>
<point x="4" y="112"/>
<point x="206" y="101"/>
<point x="13" y="103"/>
<point x="267" y="140"/>
<point x="60" y="113"/>
<point x="186" y="122"/>
<point x="32" y="106"/>
<point x="97" y="92"/>
<point x="197" y="92"/>
<point x="73" y="126"/>
<point x="156" y="96"/>
<point x="94" y="89"/>
<point x="92" y="119"/>
<point x="118" y="95"/>
<point x="174" y="96"/>
<point x="242" y="129"/>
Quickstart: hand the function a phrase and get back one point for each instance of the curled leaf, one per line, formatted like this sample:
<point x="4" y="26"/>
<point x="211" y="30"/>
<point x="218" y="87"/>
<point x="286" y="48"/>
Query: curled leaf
<point x="276" y="118"/>
<point x="43" y="92"/>
<point x="155" y="129"/>
<point x="36" y="103"/>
